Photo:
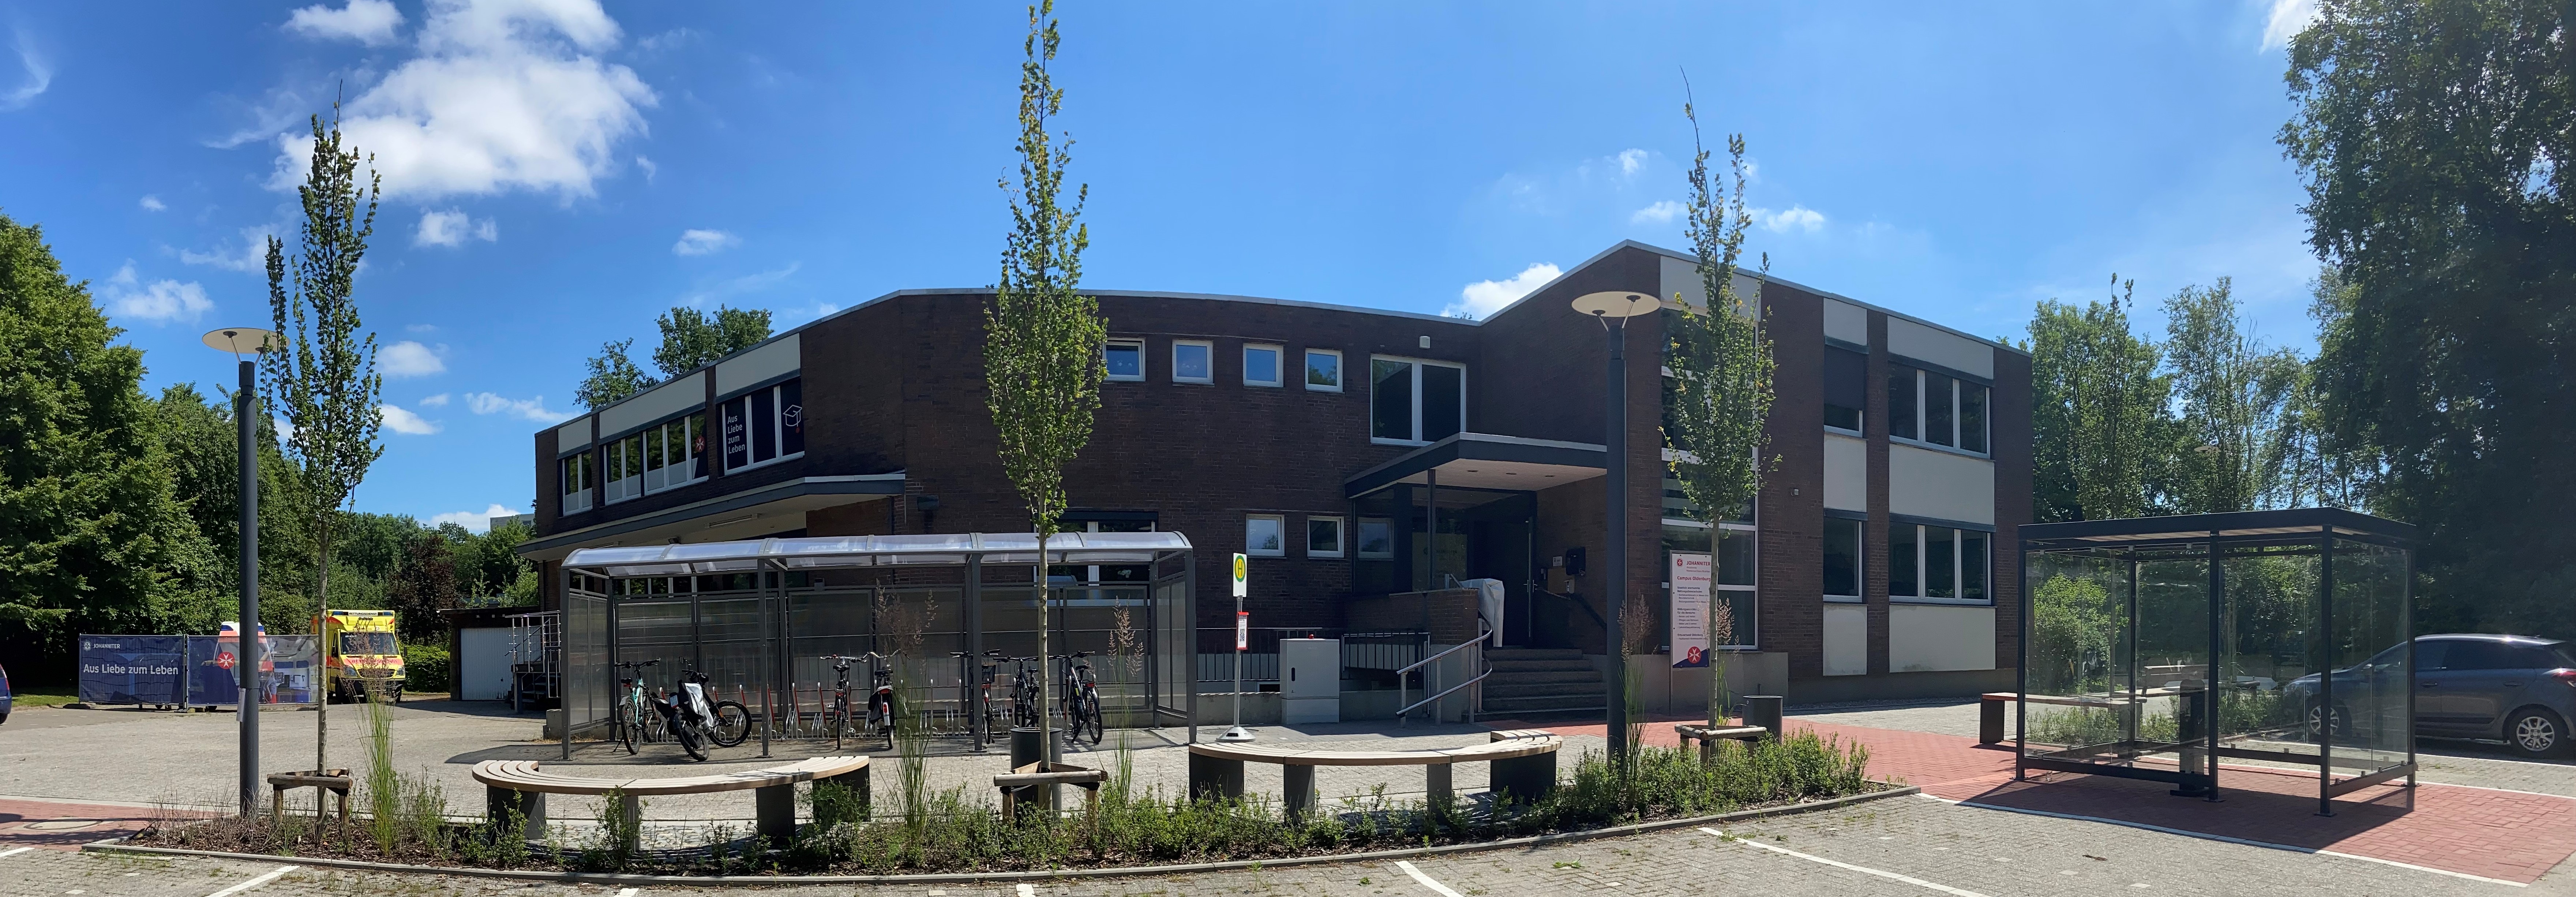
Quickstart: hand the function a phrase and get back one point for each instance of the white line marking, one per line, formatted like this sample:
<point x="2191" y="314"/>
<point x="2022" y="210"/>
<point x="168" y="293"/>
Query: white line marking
<point x="1027" y="890"/>
<point x="2293" y="848"/>
<point x="1436" y="887"/>
<point x="14" y="851"/>
<point x="627" y="892"/>
<point x="1882" y="873"/>
<point x="253" y="883"/>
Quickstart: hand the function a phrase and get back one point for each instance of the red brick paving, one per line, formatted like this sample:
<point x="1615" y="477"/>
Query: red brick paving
<point x="2495" y="834"/>
<point x="16" y="817"/>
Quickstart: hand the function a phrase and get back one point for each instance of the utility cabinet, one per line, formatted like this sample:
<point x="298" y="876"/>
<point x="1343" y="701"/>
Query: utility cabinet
<point x="1310" y="680"/>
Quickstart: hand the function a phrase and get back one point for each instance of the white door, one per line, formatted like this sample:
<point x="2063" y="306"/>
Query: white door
<point x="483" y="664"/>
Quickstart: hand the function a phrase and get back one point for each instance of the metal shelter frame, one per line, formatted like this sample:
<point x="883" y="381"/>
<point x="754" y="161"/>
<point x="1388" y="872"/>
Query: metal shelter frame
<point x="2108" y="709"/>
<point x="778" y="581"/>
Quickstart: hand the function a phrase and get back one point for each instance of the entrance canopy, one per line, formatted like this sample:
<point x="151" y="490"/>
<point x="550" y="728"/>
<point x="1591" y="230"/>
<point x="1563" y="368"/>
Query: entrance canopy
<point x="1486" y="461"/>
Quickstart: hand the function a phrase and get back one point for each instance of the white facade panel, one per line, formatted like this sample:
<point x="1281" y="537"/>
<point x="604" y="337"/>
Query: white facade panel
<point x="685" y="394"/>
<point x="1928" y="637"/>
<point x="1847" y="322"/>
<point x="573" y="435"/>
<point x="1943" y="485"/>
<point x="1914" y="340"/>
<point x="780" y="357"/>
<point x="1846" y="473"/>
<point x="1846" y="639"/>
<point x="1681" y="278"/>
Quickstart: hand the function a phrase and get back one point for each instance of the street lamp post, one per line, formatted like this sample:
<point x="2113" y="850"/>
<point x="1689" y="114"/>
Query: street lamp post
<point x="1618" y="306"/>
<point x="238" y="341"/>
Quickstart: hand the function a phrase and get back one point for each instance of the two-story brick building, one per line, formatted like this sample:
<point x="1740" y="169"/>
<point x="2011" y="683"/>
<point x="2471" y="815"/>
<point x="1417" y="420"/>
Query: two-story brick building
<point x="1331" y="442"/>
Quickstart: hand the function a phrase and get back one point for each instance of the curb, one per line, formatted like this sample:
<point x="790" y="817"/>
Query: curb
<point x="610" y="878"/>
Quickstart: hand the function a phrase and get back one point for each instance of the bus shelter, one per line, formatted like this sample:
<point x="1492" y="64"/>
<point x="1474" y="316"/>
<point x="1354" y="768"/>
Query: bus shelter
<point x="2153" y="648"/>
<point x="758" y="616"/>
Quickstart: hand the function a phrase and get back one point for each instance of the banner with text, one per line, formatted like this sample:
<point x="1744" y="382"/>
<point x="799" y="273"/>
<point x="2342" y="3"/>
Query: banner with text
<point x="1690" y="575"/>
<point x="133" y="669"/>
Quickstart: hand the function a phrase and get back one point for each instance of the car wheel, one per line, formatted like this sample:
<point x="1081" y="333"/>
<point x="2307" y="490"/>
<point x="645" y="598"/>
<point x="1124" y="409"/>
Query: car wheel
<point x="2536" y="733"/>
<point x="2314" y="728"/>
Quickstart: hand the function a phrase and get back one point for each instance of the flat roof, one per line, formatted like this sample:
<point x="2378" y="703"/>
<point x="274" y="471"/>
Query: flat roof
<point x="2184" y="528"/>
<point x="832" y="552"/>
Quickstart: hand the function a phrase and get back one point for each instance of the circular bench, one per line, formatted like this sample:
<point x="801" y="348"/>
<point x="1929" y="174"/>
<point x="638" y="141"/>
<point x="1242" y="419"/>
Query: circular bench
<point x="521" y="786"/>
<point x="1524" y="766"/>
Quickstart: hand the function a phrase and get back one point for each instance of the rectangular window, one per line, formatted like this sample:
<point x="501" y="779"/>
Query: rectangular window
<point x="1265" y="535"/>
<point x="577" y="483"/>
<point x="1973" y="564"/>
<point x="1735" y="557"/>
<point x="1377" y="538"/>
<point x="1193" y="361"/>
<point x="1324" y="370"/>
<point x="1260" y="365"/>
<point x="764" y="426"/>
<point x="675" y="453"/>
<point x="1972" y="417"/>
<point x="1902" y="399"/>
<point x="1846" y="388"/>
<point x="1940" y="562"/>
<point x="1413" y="401"/>
<point x="625" y="469"/>
<point x="1842" y="558"/>
<point x="1125" y="359"/>
<point x="1323" y="537"/>
<point x="1940" y="405"/>
<point x="1904" y="569"/>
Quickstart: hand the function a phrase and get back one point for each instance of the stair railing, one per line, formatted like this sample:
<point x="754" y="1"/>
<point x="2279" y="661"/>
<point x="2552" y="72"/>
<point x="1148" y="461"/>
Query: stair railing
<point x="1475" y="664"/>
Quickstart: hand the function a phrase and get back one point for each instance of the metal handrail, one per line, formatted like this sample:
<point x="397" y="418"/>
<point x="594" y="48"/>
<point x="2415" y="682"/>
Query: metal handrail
<point x="1483" y="632"/>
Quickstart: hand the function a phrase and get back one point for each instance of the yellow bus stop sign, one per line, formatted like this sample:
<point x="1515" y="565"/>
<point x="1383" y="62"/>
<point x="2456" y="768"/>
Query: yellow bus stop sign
<point x="1239" y="569"/>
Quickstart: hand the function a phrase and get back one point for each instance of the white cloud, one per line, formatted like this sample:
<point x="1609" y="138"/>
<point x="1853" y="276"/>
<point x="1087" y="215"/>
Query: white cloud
<point x="153" y="204"/>
<point x="436" y="401"/>
<point x="370" y="22"/>
<point x="748" y="283"/>
<point x="1796" y="216"/>
<point x="252" y="257"/>
<point x="2288" y="18"/>
<point x="703" y="242"/>
<point x="1630" y="160"/>
<point x="1486" y="297"/>
<point x="503" y="95"/>
<point x="1662" y="212"/>
<point x="420" y="328"/>
<point x="160" y="302"/>
<point x="649" y="168"/>
<point x="40" y="75"/>
<point x="474" y="521"/>
<point x="530" y="409"/>
<point x="405" y="422"/>
<point x="452" y="228"/>
<point x="411" y="359"/>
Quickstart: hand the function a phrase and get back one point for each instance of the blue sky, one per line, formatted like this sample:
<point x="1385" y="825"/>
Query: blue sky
<point x="556" y="173"/>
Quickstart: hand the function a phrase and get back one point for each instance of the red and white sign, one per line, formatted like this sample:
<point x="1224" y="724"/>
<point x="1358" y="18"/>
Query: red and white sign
<point x="1242" y="630"/>
<point x="1690" y="576"/>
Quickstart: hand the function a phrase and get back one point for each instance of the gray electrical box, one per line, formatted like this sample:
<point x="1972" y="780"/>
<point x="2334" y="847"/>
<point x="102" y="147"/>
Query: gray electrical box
<point x="1310" y="680"/>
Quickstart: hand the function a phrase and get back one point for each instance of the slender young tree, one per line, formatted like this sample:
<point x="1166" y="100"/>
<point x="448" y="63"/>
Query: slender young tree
<point x="325" y="383"/>
<point x="1722" y="367"/>
<point x="1042" y="336"/>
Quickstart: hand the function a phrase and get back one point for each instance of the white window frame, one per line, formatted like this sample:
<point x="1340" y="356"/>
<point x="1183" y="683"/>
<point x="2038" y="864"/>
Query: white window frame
<point x="1341" y="372"/>
<point x="1136" y="344"/>
<point x="1417" y="364"/>
<point x="612" y="457"/>
<point x="576" y="500"/>
<point x="1860" y="561"/>
<point x="1278" y="364"/>
<point x="1207" y="345"/>
<point x="1958" y="553"/>
<point x="1280" y="521"/>
<point x="657" y="431"/>
<point x="1341" y="533"/>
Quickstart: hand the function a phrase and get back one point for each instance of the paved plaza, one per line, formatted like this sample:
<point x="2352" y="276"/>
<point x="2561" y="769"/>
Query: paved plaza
<point x="2482" y="824"/>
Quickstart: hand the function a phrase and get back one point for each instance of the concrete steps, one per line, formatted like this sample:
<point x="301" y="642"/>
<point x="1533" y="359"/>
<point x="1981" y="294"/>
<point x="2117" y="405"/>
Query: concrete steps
<point x="1541" y="681"/>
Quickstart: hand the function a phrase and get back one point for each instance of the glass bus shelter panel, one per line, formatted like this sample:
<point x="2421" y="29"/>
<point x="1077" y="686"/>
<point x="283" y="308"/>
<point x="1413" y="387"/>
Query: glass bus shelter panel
<point x="829" y="621"/>
<point x="660" y="631"/>
<point x="2268" y="637"/>
<point x="586" y="679"/>
<point x="2078" y="682"/>
<point x="2369" y="659"/>
<point x="732" y="641"/>
<point x="1175" y="645"/>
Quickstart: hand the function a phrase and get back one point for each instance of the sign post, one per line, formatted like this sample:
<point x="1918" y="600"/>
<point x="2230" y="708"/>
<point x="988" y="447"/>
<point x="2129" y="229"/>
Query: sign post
<point x="1242" y="642"/>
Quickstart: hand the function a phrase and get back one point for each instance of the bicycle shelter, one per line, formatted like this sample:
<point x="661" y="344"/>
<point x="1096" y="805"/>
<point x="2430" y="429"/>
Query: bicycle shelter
<point x="2154" y="647"/>
<point x="757" y="617"/>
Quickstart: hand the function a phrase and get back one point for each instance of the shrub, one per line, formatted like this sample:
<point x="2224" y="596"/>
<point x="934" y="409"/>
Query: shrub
<point x="427" y="668"/>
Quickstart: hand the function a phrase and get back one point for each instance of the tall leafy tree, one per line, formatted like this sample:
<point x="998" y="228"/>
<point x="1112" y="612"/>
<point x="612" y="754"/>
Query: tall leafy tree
<point x="613" y="376"/>
<point x="1042" y="336"/>
<point x="2435" y="136"/>
<point x="1722" y="366"/>
<point x="199" y="436"/>
<point x="324" y="383"/>
<point x="92" y="534"/>
<point x="692" y="339"/>
<point x="2232" y="394"/>
<point x="2102" y="438"/>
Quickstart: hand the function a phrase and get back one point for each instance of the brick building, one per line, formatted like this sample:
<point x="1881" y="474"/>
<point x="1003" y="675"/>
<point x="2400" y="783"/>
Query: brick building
<point x="1329" y="442"/>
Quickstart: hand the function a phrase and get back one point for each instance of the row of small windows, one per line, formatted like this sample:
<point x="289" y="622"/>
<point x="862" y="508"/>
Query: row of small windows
<point x="1411" y="400"/>
<point x="1267" y="535"/>
<point x="1922" y="406"/>
<point x="1924" y="562"/>
<point x="764" y="426"/>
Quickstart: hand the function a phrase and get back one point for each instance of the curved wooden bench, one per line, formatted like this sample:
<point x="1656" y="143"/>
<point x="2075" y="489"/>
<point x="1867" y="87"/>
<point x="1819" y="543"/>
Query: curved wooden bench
<point x="1524" y="766"/>
<point x="521" y="785"/>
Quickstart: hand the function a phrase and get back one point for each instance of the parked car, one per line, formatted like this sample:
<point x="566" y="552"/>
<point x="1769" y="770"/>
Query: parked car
<point x="2516" y="689"/>
<point x="5" y="694"/>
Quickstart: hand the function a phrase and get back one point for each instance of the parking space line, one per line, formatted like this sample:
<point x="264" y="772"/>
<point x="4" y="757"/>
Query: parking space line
<point x="627" y="892"/>
<point x="1427" y="881"/>
<point x="2187" y="833"/>
<point x="253" y="883"/>
<point x="1028" y="890"/>
<point x="14" y="851"/>
<point x="1882" y="873"/>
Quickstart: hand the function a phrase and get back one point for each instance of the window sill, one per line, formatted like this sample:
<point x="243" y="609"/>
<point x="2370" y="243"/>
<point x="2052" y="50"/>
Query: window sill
<point x="1249" y="383"/>
<point x="1314" y="388"/>
<point x="1265" y="554"/>
<point x="1943" y="602"/>
<point x="1324" y="555"/>
<point x="1838" y="431"/>
<point x="1929" y="447"/>
<point x="1381" y="440"/>
<point x="1122" y="379"/>
<point x="1180" y="382"/>
<point x="1845" y="599"/>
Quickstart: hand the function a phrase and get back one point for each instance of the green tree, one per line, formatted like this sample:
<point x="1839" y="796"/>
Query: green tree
<point x="199" y="436"/>
<point x="1722" y="366"/>
<point x="2102" y="438"/>
<point x="324" y="383"/>
<point x="2435" y="136"/>
<point x="92" y="535"/>
<point x="423" y="584"/>
<point x="1042" y="336"/>
<point x="692" y="339"/>
<point x="2232" y="394"/>
<point x="613" y="377"/>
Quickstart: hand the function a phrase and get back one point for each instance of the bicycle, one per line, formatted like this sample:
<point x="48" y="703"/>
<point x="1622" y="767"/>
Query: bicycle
<point x="691" y="716"/>
<point x="1081" y="699"/>
<point x="881" y="699"/>
<point x="633" y="718"/>
<point x="982" y="714"/>
<point x="1025" y="702"/>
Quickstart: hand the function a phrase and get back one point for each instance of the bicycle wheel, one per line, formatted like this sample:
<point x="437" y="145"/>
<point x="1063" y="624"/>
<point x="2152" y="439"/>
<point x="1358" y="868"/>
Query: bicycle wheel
<point x="626" y="727"/>
<point x="732" y="724"/>
<point x="838" y="721"/>
<point x="688" y="741"/>
<point x="1091" y="713"/>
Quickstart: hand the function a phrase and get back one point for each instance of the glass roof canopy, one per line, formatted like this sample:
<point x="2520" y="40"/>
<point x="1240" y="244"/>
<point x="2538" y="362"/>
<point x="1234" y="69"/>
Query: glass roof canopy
<point x="837" y="552"/>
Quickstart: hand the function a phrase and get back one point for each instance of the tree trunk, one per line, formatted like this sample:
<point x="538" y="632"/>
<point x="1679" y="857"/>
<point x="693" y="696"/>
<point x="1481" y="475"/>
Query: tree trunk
<point x="322" y="650"/>
<point x="1046" y="670"/>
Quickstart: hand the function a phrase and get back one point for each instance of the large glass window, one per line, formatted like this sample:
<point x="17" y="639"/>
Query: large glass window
<point x="1937" y="409"/>
<point x="1732" y="553"/>
<point x="1846" y="388"/>
<point x="1940" y="415"/>
<point x="1376" y="538"/>
<point x="1842" y="558"/>
<point x="1324" y="370"/>
<point x="1972" y="417"/>
<point x="577" y="478"/>
<point x="1415" y="401"/>
<point x="675" y="453"/>
<point x="1902" y="393"/>
<point x="766" y="425"/>
<point x="625" y="463"/>
<point x="1904" y="565"/>
<point x="1938" y="563"/>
